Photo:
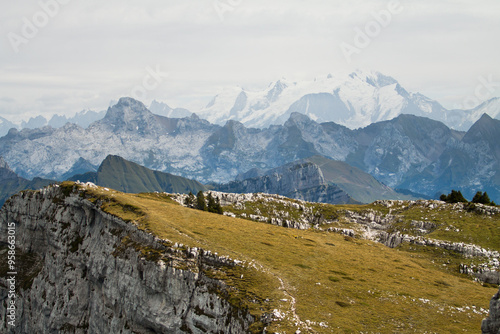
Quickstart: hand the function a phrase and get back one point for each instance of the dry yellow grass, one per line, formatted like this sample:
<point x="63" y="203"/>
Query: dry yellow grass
<point x="349" y="285"/>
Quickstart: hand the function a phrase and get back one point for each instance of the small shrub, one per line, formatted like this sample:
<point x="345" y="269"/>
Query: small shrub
<point x="342" y="304"/>
<point x="303" y="266"/>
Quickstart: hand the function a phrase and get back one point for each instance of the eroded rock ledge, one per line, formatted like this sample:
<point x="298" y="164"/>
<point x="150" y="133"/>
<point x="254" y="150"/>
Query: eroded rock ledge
<point x="89" y="271"/>
<point x="491" y="325"/>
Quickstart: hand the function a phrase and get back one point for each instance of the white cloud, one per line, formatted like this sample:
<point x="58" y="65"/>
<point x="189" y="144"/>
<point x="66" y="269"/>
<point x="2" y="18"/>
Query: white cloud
<point x="91" y="52"/>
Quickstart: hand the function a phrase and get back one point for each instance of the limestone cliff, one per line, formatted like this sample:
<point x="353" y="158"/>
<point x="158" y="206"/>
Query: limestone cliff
<point x="491" y="325"/>
<point x="303" y="181"/>
<point x="81" y="270"/>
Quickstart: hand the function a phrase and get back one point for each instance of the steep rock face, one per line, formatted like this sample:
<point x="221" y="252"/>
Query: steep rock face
<point x="394" y="150"/>
<point x="491" y="325"/>
<point x="280" y="180"/>
<point x="303" y="180"/>
<point x="472" y="164"/>
<point x="82" y="270"/>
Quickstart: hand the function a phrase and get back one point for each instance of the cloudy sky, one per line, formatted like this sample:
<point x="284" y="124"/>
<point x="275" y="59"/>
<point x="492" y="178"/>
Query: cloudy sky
<point x="62" y="56"/>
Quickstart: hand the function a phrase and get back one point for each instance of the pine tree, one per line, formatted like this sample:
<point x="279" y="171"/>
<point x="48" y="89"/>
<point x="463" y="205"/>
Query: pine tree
<point x="456" y="196"/>
<point x="200" y="201"/>
<point x="485" y="199"/>
<point x="211" y="203"/>
<point x="477" y="197"/>
<point x="453" y="197"/>
<point x="218" y="207"/>
<point x="189" y="200"/>
<point x="481" y="198"/>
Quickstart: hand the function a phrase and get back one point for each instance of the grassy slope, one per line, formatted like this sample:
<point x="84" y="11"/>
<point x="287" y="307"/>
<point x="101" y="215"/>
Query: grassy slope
<point x="118" y="173"/>
<point x="352" y="285"/>
<point x="482" y="230"/>
<point x="358" y="184"/>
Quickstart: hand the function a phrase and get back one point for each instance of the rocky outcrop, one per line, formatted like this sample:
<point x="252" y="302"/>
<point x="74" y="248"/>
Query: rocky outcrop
<point x="82" y="270"/>
<point x="280" y="181"/>
<point x="303" y="180"/>
<point x="491" y="325"/>
<point x="379" y="227"/>
<point x="279" y="210"/>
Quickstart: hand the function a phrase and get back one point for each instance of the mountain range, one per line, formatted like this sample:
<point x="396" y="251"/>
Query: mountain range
<point x="315" y="179"/>
<point x="83" y="119"/>
<point x="408" y="152"/>
<point x="355" y="100"/>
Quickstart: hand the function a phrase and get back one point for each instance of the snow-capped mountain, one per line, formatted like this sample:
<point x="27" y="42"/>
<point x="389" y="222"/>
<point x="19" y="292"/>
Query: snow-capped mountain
<point x="490" y="107"/>
<point x="163" y="109"/>
<point x="355" y="100"/>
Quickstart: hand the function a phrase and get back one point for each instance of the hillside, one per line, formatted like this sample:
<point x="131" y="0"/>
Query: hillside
<point x="11" y="183"/>
<point x="313" y="280"/>
<point x="118" y="173"/>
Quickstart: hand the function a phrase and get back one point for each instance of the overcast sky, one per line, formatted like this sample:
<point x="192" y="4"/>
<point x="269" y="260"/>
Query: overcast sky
<point x="70" y="55"/>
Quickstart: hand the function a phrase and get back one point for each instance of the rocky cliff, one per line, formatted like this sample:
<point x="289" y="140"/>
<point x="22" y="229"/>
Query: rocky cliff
<point x="491" y="325"/>
<point x="300" y="180"/>
<point x="82" y="270"/>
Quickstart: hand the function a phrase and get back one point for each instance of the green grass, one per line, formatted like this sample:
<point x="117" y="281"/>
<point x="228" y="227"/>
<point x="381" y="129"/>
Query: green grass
<point x="118" y="173"/>
<point x="351" y="285"/>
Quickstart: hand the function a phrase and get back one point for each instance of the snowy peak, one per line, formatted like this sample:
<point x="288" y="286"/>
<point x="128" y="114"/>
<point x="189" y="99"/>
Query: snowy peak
<point x="354" y="100"/>
<point x="34" y="122"/>
<point x="276" y="90"/>
<point x="376" y="79"/>
<point x="490" y="107"/>
<point x="128" y="103"/>
<point x="239" y="104"/>
<point x="163" y="109"/>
